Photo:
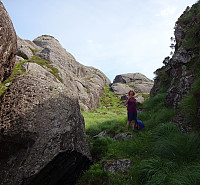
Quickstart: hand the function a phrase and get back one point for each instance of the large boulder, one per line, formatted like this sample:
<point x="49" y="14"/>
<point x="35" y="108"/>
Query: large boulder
<point x="86" y="82"/>
<point x="42" y="134"/>
<point x="137" y="82"/>
<point x="8" y="43"/>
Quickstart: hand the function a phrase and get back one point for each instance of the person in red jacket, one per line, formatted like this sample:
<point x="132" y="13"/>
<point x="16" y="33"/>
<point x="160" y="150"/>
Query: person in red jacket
<point x="131" y="109"/>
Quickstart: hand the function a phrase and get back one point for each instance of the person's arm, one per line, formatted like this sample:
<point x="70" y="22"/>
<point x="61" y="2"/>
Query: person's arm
<point x="134" y="100"/>
<point x="126" y="102"/>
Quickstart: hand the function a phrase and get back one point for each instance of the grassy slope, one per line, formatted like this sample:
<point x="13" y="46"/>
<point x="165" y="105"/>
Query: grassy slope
<point x="160" y="154"/>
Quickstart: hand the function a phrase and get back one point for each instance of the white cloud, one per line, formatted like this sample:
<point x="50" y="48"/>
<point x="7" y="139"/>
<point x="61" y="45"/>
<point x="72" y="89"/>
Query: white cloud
<point x="169" y="11"/>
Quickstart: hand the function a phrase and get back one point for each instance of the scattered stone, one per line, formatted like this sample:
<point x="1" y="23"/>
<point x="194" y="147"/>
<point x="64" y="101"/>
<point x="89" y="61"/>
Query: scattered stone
<point x="119" y="165"/>
<point x="122" y="136"/>
<point x="101" y="134"/>
<point x="105" y="133"/>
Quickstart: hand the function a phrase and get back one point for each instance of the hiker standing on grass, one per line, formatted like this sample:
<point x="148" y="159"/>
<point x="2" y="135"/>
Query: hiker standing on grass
<point x="131" y="109"/>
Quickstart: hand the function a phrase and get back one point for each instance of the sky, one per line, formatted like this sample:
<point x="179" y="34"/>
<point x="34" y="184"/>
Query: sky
<point x="115" y="36"/>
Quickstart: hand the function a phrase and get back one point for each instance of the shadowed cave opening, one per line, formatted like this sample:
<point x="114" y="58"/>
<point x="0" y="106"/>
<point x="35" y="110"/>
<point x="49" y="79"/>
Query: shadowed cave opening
<point x="64" y="169"/>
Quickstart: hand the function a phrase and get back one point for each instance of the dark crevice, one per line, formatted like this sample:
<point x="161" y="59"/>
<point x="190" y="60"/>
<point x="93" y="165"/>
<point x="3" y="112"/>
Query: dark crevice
<point x="64" y="169"/>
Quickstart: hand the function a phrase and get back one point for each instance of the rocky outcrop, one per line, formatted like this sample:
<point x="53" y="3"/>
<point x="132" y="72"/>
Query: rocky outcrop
<point x="178" y="74"/>
<point x="86" y="82"/>
<point x="42" y="132"/>
<point x="137" y="82"/>
<point x="26" y="48"/>
<point x="8" y="44"/>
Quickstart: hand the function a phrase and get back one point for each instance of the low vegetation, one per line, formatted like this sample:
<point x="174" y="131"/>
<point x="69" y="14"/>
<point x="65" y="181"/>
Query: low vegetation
<point x="18" y="70"/>
<point x="159" y="154"/>
<point x="46" y="64"/>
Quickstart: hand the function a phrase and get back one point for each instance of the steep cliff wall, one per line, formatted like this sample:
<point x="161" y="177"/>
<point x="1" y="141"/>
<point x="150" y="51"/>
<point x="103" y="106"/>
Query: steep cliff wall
<point x="179" y="77"/>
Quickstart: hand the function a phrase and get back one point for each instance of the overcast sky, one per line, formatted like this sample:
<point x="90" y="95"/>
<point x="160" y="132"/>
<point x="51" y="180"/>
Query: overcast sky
<point x="115" y="36"/>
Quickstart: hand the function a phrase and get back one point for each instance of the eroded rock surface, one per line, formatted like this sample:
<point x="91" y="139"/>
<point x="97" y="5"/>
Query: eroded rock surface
<point x="26" y="48"/>
<point x="42" y="132"/>
<point x="86" y="82"/>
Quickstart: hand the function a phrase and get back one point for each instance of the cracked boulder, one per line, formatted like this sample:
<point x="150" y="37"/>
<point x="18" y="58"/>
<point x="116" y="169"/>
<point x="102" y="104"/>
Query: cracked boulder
<point x="42" y="138"/>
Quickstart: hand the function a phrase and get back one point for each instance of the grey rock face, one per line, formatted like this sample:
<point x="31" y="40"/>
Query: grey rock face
<point x="26" y="48"/>
<point x="120" y="89"/>
<point x="182" y="56"/>
<point x="177" y="71"/>
<point x="137" y="82"/>
<point x="8" y="44"/>
<point x="42" y="132"/>
<point x="18" y="59"/>
<point x="86" y="82"/>
<point x="177" y="92"/>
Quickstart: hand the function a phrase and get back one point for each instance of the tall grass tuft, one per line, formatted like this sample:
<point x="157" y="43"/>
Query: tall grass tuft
<point x="186" y="175"/>
<point x="154" y="171"/>
<point x="94" y="176"/>
<point x="154" y="103"/>
<point x="178" y="147"/>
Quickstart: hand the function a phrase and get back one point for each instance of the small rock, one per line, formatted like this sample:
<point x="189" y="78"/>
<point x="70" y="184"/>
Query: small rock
<point x="8" y="84"/>
<point x="101" y="134"/>
<point x="123" y="136"/>
<point x="116" y="165"/>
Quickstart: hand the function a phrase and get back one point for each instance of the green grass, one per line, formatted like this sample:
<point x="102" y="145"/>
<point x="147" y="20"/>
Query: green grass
<point x="34" y="50"/>
<point x="17" y="71"/>
<point x="159" y="154"/>
<point x="45" y="63"/>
